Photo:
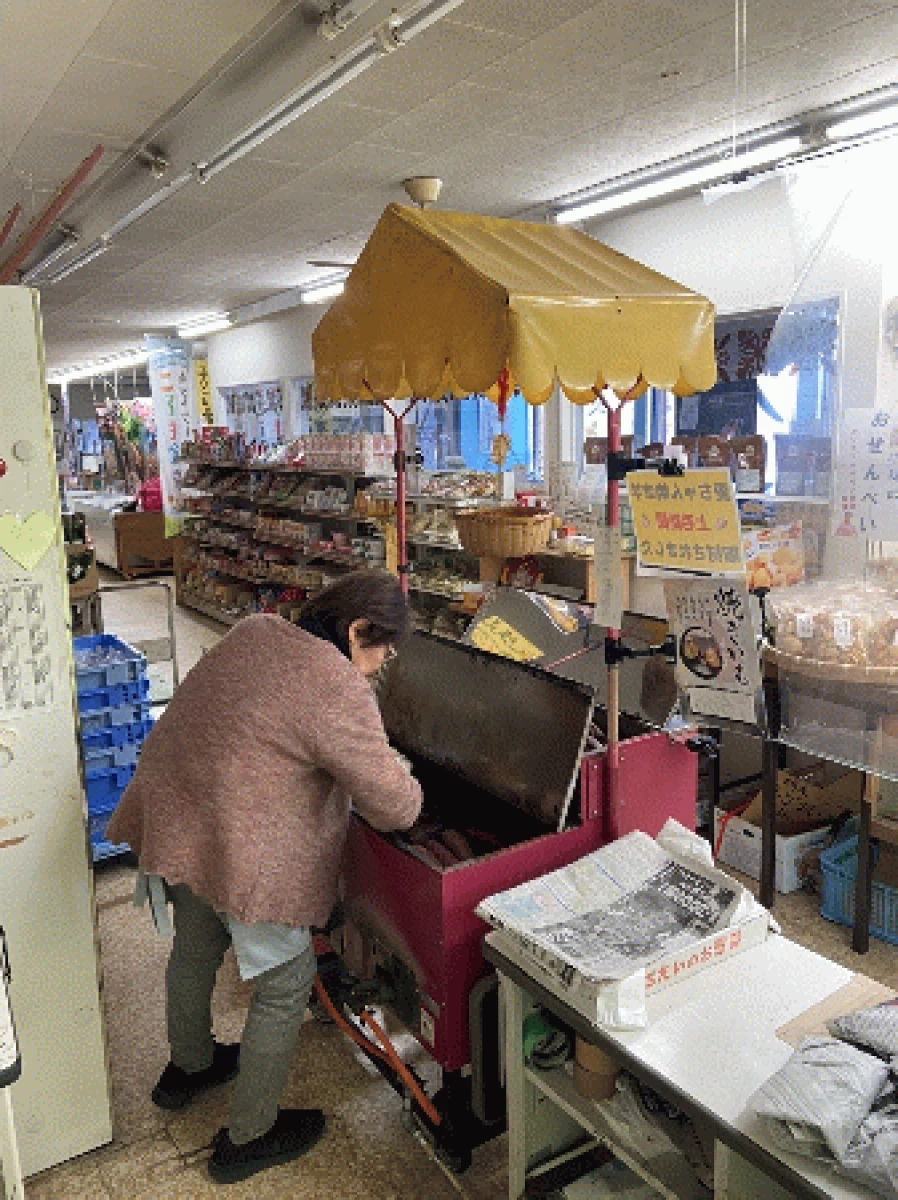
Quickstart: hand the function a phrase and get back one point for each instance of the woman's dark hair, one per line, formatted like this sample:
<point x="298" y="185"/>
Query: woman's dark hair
<point x="371" y="596"/>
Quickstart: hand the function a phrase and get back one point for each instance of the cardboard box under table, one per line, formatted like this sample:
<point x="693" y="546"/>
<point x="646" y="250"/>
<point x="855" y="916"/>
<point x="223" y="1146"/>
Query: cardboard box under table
<point x="498" y="748"/>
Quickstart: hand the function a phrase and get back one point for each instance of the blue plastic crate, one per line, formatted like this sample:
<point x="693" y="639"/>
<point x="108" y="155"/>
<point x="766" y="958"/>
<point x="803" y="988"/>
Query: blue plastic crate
<point x="97" y="822"/>
<point x="105" y="786"/>
<point x="124" y="715"/>
<point x="103" y="757"/>
<point x="114" y="697"/>
<point x="838" y="865"/>
<point x="115" y="735"/>
<point x="101" y="849"/>
<point x="103" y="660"/>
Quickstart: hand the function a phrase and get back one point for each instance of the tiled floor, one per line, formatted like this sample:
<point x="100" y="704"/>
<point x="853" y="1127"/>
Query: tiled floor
<point x="367" y="1154"/>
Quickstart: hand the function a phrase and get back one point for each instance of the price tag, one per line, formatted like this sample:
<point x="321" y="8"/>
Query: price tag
<point x="842" y="634"/>
<point x="609" y="606"/>
<point x="804" y="625"/>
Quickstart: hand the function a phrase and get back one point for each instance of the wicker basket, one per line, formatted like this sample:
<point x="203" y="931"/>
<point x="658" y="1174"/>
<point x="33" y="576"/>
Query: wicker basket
<point x="503" y="532"/>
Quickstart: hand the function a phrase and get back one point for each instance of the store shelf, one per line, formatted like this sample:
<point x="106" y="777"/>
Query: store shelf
<point x="414" y="586"/>
<point x="208" y="610"/>
<point x="461" y="502"/>
<point x="308" y="556"/>
<point x="765" y="496"/>
<point x="665" y="1174"/>
<point x="288" y="469"/>
<point x="437" y="545"/>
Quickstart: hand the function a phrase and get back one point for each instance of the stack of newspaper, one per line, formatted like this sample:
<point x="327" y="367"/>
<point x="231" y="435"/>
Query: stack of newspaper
<point x="626" y="920"/>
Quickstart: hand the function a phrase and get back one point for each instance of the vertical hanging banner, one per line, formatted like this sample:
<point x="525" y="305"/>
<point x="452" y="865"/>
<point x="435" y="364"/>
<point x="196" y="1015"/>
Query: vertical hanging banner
<point x="865" y="503"/>
<point x="170" y="385"/>
<point x="202" y="392"/>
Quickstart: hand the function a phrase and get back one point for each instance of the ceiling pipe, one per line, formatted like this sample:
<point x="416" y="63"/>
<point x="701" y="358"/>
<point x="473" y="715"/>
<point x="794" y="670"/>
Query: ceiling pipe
<point x="39" y="226"/>
<point x="8" y="225"/>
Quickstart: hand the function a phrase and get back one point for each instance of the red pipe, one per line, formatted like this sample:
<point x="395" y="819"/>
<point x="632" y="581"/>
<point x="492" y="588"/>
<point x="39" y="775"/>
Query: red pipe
<point x="36" y="230"/>
<point x="12" y="217"/>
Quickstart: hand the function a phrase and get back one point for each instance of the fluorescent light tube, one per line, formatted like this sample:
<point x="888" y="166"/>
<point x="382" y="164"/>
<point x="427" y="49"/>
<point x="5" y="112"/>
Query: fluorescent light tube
<point x="312" y="93"/>
<point x="200" y="326"/>
<point x="82" y="260"/>
<point x="424" y="16"/>
<point x="318" y="293"/>
<point x="69" y="241"/>
<point x="678" y="181"/>
<point x="102" y="366"/>
<point x="862" y="123"/>
<point x="320" y="87"/>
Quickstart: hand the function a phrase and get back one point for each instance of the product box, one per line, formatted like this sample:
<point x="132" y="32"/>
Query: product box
<point x="774" y="557"/>
<point x="748" y="463"/>
<point x="809" y="798"/>
<point x="741" y="850"/>
<point x="621" y="1003"/>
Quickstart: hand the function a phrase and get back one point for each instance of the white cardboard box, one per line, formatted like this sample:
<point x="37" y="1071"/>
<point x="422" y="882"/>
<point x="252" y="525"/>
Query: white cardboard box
<point x="741" y="850"/>
<point x="607" y="1002"/>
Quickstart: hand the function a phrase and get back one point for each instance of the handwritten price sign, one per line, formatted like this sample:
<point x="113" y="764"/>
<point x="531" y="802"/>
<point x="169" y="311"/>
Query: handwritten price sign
<point x="687" y="523"/>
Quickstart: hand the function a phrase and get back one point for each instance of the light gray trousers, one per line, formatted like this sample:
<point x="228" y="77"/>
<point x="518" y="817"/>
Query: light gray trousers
<point x="272" y="1025"/>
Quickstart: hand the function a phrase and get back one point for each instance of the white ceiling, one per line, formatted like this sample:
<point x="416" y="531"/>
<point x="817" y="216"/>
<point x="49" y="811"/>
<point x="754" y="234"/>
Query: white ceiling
<point x="513" y="102"/>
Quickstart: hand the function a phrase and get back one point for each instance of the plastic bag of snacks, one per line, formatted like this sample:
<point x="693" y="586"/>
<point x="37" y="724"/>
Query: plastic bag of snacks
<point x="849" y="623"/>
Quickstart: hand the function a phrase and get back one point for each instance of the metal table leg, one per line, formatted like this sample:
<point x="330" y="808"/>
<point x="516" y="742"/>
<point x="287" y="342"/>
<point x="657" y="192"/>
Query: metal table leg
<point x="863" y="891"/>
<point x="770" y="768"/>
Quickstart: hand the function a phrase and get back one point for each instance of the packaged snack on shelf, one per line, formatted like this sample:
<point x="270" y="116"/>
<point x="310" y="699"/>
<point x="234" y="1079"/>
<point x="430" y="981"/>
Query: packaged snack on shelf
<point x="849" y="623"/>
<point x="774" y="557"/>
<point x="748" y="463"/>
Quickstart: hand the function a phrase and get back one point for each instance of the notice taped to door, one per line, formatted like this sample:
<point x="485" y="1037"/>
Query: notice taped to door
<point x="26" y="662"/>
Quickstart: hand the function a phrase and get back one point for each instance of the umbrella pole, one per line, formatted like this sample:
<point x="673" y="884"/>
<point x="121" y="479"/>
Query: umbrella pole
<point x="613" y="635"/>
<point x="402" y="565"/>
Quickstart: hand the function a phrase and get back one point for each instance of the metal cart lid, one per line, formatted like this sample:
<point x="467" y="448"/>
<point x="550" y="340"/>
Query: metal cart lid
<point x="509" y="728"/>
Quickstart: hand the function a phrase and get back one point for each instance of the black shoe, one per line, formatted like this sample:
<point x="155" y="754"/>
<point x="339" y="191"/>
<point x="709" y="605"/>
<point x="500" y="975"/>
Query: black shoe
<point x="176" y="1087"/>
<point x="295" y="1131"/>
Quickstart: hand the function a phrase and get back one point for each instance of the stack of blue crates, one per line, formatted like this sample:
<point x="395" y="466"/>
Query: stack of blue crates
<point x="114" y="705"/>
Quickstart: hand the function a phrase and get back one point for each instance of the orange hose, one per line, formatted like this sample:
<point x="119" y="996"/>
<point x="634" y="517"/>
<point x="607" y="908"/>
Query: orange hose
<point x="348" y="1029"/>
<point x="387" y="1055"/>
<point x="404" y="1073"/>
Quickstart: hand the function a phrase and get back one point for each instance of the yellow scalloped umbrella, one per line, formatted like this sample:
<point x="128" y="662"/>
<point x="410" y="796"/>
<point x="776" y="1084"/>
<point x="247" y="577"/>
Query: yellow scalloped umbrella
<point x="454" y="302"/>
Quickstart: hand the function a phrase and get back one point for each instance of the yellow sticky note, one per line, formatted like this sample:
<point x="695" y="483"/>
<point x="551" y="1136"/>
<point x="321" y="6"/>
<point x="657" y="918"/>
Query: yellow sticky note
<point x="26" y="542"/>
<point x="499" y="637"/>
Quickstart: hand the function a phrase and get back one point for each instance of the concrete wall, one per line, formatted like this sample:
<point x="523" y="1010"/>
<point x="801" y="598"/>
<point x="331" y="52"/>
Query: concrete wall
<point x="277" y="347"/>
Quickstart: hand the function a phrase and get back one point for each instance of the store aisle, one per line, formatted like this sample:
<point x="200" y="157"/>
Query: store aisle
<point x="367" y="1154"/>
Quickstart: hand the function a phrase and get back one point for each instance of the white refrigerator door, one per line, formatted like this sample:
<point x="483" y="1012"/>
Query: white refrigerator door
<point x="61" y="1102"/>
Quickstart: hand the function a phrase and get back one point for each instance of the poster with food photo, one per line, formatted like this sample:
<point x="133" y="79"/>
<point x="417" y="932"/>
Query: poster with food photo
<point x="718" y="667"/>
<point x="774" y="557"/>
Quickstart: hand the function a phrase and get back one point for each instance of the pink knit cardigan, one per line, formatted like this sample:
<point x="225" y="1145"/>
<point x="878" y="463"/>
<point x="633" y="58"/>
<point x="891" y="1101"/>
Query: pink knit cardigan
<point x="243" y="787"/>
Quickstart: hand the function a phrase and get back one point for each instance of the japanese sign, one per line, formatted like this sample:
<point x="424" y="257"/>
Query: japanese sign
<point x="865" y="503"/>
<point x="170" y="385"/>
<point x="687" y="523"/>
<point x="202" y="391"/>
<point x="718" y="666"/>
<point x="500" y="638"/>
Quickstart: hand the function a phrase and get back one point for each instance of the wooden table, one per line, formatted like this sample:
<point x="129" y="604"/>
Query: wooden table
<point x="141" y="547"/>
